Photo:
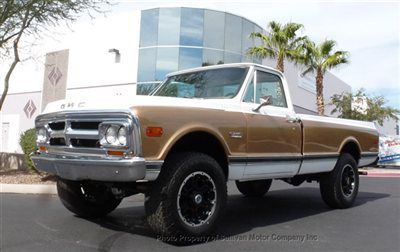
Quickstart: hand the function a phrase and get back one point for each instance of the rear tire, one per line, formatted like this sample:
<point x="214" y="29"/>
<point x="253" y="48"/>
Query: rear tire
<point x="86" y="200"/>
<point x="188" y="196"/>
<point x="339" y="188"/>
<point x="255" y="188"/>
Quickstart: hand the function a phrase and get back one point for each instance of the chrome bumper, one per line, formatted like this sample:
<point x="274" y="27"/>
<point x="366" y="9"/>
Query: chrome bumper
<point x="99" y="169"/>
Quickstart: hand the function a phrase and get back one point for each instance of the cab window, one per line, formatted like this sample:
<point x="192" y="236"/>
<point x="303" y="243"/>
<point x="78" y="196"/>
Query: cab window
<point x="267" y="84"/>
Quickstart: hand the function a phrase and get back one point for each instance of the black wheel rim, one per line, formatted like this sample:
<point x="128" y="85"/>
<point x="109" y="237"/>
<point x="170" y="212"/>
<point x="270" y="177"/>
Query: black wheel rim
<point x="348" y="180"/>
<point x="197" y="199"/>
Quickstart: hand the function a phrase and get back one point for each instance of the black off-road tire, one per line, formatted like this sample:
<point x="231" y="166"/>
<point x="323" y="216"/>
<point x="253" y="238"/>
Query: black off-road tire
<point x="98" y="200"/>
<point x="333" y="187"/>
<point x="161" y="203"/>
<point x="255" y="188"/>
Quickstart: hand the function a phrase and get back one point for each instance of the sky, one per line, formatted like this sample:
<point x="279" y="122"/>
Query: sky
<point x="369" y="30"/>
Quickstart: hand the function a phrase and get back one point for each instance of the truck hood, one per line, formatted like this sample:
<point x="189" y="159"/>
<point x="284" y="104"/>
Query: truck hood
<point x="125" y="103"/>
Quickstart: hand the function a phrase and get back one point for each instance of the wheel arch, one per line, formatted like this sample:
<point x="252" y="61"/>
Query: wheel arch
<point x="207" y="142"/>
<point x="351" y="146"/>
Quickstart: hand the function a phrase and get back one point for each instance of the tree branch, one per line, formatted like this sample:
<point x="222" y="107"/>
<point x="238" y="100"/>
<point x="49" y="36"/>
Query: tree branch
<point x="15" y="62"/>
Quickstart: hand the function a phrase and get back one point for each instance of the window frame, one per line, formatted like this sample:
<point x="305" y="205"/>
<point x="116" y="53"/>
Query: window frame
<point x="254" y="79"/>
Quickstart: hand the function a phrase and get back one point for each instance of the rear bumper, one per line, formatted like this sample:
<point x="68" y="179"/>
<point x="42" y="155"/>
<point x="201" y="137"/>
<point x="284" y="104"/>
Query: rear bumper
<point x="90" y="168"/>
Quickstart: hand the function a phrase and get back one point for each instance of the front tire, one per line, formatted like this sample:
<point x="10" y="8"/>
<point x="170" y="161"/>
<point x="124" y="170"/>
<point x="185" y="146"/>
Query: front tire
<point x="86" y="200"/>
<point x="339" y="188"/>
<point x="188" y="196"/>
<point x="255" y="188"/>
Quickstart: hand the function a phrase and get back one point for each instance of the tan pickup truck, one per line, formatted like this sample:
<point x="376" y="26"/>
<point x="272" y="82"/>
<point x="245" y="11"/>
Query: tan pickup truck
<point x="197" y="130"/>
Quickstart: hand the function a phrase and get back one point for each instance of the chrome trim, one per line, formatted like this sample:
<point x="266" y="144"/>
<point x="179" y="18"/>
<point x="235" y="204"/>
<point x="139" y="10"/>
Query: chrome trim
<point x="90" y="168"/>
<point x="279" y="165"/>
<point x="126" y="116"/>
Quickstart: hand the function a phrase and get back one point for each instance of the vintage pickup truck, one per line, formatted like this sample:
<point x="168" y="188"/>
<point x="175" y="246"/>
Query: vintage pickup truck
<point x="180" y="145"/>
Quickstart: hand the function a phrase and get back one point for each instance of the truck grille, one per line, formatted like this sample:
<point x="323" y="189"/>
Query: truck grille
<point x="74" y="133"/>
<point x="77" y="133"/>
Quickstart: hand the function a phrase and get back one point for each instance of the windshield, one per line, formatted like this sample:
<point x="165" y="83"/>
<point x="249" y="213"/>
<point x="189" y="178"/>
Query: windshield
<point x="208" y="84"/>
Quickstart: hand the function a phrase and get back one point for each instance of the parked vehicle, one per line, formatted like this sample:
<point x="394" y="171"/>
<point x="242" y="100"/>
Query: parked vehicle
<point x="197" y="130"/>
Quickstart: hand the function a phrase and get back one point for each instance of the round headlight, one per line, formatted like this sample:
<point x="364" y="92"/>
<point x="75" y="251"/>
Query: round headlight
<point x="41" y="136"/>
<point x="111" y="135"/>
<point x="122" y="135"/>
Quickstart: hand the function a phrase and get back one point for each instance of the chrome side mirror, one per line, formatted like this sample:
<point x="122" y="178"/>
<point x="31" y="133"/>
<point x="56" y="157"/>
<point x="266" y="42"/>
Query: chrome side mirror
<point x="264" y="101"/>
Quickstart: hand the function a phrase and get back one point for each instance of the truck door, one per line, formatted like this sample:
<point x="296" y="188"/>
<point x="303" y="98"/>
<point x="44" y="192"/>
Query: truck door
<point x="273" y="134"/>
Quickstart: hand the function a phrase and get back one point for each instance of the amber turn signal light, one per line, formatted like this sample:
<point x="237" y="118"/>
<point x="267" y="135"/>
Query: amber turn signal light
<point x="154" y="131"/>
<point x="115" y="153"/>
<point x="42" y="149"/>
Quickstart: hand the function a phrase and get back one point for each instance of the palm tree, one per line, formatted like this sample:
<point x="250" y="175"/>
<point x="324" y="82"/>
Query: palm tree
<point x="280" y="43"/>
<point x="318" y="59"/>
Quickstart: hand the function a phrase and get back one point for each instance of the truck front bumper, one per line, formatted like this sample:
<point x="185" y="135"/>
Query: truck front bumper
<point x="99" y="169"/>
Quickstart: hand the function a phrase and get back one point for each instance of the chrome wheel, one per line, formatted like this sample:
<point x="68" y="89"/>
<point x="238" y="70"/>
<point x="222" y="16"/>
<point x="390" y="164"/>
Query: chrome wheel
<point x="348" y="180"/>
<point x="197" y="198"/>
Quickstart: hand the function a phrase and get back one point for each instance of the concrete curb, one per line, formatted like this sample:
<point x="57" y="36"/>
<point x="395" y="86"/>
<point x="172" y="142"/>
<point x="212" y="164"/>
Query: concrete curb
<point x="380" y="172"/>
<point x="28" y="189"/>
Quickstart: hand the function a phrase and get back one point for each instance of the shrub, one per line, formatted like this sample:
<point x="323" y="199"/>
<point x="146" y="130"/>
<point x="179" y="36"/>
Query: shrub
<point x="27" y="142"/>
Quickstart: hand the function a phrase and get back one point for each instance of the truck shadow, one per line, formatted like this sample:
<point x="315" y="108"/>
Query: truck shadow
<point x="242" y="215"/>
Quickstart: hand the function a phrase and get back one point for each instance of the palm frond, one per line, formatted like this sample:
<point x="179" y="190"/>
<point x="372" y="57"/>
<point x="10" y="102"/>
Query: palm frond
<point x="259" y="35"/>
<point x="326" y="47"/>
<point x="337" y="58"/>
<point x="275" y="26"/>
<point x="261" y="52"/>
<point x="290" y="29"/>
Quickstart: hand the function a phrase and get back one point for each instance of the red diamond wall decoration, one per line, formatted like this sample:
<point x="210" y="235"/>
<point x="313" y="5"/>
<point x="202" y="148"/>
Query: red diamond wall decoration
<point x="29" y="109"/>
<point x="55" y="76"/>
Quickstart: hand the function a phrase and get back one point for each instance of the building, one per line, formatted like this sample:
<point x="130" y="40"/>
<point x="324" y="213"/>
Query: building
<point x="155" y="42"/>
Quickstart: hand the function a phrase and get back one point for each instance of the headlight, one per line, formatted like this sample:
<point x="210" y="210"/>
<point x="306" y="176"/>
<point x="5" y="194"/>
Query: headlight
<point x="41" y="136"/>
<point x="111" y="135"/>
<point x="122" y="135"/>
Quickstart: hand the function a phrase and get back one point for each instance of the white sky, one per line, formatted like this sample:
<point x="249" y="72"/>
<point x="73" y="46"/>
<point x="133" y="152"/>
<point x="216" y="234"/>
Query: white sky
<point x="369" y="30"/>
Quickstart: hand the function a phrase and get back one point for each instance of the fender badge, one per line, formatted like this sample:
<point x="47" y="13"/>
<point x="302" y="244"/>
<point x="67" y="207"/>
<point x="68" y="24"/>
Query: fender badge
<point x="235" y="134"/>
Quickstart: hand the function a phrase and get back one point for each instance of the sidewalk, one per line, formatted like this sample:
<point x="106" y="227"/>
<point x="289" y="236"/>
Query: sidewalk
<point x="28" y="188"/>
<point x="380" y="172"/>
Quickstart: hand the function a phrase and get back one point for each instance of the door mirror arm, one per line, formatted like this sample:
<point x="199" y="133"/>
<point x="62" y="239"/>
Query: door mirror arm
<point x="265" y="101"/>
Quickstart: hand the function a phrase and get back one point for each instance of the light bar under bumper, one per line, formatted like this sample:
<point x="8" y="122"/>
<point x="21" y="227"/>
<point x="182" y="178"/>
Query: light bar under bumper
<point x="116" y="170"/>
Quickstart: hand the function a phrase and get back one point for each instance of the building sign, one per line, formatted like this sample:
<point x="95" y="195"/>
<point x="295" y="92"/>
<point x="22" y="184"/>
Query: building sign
<point x="306" y="82"/>
<point x="29" y="109"/>
<point x="389" y="150"/>
<point x="55" y="77"/>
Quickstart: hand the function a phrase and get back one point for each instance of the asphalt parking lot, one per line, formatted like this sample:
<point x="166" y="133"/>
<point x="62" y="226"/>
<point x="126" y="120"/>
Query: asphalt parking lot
<point x="288" y="218"/>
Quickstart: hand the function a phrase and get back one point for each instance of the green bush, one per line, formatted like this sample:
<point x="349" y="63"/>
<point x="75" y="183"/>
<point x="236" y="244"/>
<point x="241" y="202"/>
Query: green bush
<point x="27" y="142"/>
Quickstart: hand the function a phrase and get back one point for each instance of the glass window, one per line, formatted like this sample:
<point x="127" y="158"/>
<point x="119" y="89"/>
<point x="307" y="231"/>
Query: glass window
<point x="169" y="26"/>
<point x="146" y="88"/>
<point x="247" y="42"/>
<point x="233" y="33"/>
<point x="232" y="57"/>
<point x="212" y="57"/>
<point x="190" y="57"/>
<point x="167" y="61"/>
<point x="257" y="41"/>
<point x="214" y="23"/>
<point x="206" y="84"/>
<point x="270" y="85"/>
<point x="147" y="64"/>
<point x="192" y="27"/>
<point x="149" y="27"/>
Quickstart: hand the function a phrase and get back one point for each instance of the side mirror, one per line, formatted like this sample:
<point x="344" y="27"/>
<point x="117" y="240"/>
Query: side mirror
<point x="264" y="101"/>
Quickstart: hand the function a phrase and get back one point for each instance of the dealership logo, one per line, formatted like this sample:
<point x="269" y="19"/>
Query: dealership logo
<point x="55" y="76"/>
<point x="29" y="109"/>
